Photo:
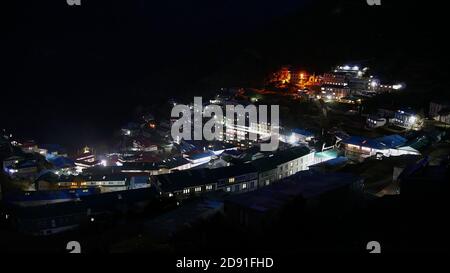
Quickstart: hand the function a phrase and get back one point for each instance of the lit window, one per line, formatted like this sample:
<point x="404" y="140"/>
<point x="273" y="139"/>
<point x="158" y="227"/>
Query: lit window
<point x="209" y="187"/>
<point x="244" y="186"/>
<point x="231" y="180"/>
<point x="198" y="189"/>
<point x="228" y="189"/>
<point x="267" y="182"/>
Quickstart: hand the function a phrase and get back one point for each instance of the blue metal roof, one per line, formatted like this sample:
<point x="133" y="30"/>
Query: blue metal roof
<point x="303" y="132"/>
<point x="201" y="155"/>
<point x="386" y="142"/>
<point x="392" y="141"/>
<point x="61" y="162"/>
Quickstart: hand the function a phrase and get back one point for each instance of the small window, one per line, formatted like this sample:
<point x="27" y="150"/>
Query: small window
<point x="231" y="180"/>
<point x="244" y="186"/>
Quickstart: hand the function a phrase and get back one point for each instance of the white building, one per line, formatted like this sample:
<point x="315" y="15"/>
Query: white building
<point x="375" y="122"/>
<point x="406" y="119"/>
<point x="359" y="148"/>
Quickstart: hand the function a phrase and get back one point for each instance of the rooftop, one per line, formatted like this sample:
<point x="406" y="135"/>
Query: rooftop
<point x="271" y="162"/>
<point x="307" y="184"/>
<point x="386" y="142"/>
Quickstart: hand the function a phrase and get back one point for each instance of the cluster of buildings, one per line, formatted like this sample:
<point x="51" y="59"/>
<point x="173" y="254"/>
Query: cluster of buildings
<point x="148" y="166"/>
<point x="346" y="83"/>
<point x="405" y="119"/>
<point x="237" y="178"/>
<point x="360" y="148"/>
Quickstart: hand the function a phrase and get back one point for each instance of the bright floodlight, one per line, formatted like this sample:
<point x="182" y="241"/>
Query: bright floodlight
<point x="103" y="162"/>
<point x="413" y="119"/>
<point x="397" y="86"/>
<point x="292" y="139"/>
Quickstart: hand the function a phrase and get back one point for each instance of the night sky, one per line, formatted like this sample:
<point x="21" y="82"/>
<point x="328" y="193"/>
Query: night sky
<point x="77" y="73"/>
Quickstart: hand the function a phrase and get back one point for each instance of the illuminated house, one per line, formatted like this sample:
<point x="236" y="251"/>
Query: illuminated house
<point x="106" y="183"/>
<point x="334" y="79"/>
<point x="22" y="169"/>
<point x="351" y="77"/>
<point x="142" y="144"/>
<point x="197" y="159"/>
<point x="29" y="147"/>
<point x="356" y="80"/>
<point x="333" y="92"/>
<point x="386" y="88"/>
<point x="281" y="78"/>
<point x="405" y="119"/>
<point x="185" y="184"/>
<point x="86" y="159"/>
<point x="351" y="100"/>
<point x="11" y="161"/>
<point x="283" y="164"/>
<point x="236" y="178"/>
<point x="116" y="182"/>
<point x="359" y="148"/>
<point x="375" y="122"/>
<point x="155" y="168"/>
